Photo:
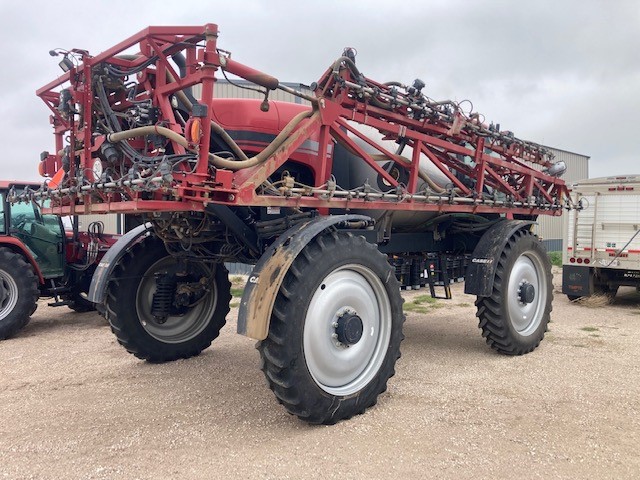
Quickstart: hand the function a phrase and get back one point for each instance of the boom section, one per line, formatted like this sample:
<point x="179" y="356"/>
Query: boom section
<point x="137" y="129"/>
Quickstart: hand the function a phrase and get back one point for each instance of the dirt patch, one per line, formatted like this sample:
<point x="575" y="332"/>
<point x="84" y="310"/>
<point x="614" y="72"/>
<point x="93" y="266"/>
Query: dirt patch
<point x="74" y="404"/>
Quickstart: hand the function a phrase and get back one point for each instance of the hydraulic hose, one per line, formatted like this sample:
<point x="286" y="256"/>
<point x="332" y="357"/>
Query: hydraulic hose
<point x="348" y="62"/>
<point x="183" y="97"/>
<point x="214" y="159"/>
<point x="269" y="150"/>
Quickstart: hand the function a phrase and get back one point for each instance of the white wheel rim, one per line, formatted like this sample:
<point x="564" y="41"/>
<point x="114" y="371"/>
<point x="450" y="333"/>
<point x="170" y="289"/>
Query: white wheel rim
<point x="336" y="368"/>
<point x="526" y="317"/>
<point x="8" y="294"/>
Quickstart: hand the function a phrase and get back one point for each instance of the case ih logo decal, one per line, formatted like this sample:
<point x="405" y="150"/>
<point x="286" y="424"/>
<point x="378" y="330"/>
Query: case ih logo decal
<point x="482" y="260"/>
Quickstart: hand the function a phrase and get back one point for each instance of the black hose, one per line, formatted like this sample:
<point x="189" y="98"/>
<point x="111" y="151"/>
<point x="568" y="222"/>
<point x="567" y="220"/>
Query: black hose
<point x="181" y="62"/>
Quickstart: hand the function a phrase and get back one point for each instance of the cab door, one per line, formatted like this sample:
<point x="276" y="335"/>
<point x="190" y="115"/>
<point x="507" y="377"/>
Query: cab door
<point x="43" y="235"/>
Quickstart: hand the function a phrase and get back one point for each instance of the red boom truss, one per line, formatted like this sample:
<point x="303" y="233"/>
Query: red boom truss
<point x="488" y="170"/>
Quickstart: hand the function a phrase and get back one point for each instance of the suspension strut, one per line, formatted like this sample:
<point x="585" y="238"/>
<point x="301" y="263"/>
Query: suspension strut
<point x="163" y="298"/>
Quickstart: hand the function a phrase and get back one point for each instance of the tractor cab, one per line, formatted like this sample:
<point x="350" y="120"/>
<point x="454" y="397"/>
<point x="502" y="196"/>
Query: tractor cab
<point x="41" y="236"/>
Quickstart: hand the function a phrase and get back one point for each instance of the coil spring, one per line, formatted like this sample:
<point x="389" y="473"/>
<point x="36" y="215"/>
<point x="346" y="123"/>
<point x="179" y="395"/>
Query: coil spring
<point x="163" y="297"/>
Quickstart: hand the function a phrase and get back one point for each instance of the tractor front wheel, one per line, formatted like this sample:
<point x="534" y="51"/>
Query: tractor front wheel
<point x="18" y="292"/>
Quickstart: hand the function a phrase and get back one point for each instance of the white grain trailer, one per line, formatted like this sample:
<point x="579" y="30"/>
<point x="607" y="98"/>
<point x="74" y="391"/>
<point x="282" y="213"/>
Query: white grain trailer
<point x="602" y="242"/>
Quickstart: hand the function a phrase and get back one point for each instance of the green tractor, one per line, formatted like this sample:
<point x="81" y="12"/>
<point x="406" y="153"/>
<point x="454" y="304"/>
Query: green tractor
<point x="39" y="258"/>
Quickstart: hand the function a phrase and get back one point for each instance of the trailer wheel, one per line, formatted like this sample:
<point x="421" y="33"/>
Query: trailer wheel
<point x="188" y="328"/>
<point x="18" y="292"/>
<point x="335" y="330"/>
<point x="515" y="317"/>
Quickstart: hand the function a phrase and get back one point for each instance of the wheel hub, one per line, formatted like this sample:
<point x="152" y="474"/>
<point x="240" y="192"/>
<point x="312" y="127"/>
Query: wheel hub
<point x="526" y="293"/>
<point x="349" y="328"/>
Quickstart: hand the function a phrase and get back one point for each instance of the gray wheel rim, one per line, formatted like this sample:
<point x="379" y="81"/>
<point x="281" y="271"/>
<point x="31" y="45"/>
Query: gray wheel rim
<point x="526" y="317"/>
<point x="8" y="294"/>
<point x="177" y="328"/>
<point x="338" y="369"/>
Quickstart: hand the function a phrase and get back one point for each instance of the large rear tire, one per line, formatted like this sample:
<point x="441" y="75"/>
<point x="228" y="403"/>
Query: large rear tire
<point x="335" y="330"/>
<point x="18" y="293"/>
<point x="514" y="318"/>
<point x="187" y="330"/>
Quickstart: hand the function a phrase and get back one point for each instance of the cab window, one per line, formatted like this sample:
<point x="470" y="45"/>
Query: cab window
<point x="23" y="215"/>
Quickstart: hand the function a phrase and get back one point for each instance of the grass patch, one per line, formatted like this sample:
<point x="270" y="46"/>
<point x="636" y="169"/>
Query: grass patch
<point x="238" y="280"/>
<point x="463" y="304"/>
<point x="237" y="292"/>
<point x="556" y="258"/>
<point x="421" y="304"/>
<point x="412" y="307"/>
<point x="234" y="304"/>
<point x="421" y="299"/>
<point x="590" y="329"/>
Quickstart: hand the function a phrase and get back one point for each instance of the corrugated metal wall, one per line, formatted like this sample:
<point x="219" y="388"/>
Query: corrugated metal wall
<point x="551" y="229"/>
<point x="225" y="89"/>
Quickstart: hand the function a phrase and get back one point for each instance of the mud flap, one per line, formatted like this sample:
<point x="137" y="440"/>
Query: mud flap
<point x="577" y="281"/>
<point x="100" y="279"/>
<point x="482" y="268"/>
<point x="266" y="278"/>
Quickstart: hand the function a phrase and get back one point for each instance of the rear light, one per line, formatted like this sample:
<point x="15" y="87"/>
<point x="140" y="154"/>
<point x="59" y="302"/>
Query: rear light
<point x="587" y="261"/>
<point x="579" y="260"/>
<point x="572" y="260"/>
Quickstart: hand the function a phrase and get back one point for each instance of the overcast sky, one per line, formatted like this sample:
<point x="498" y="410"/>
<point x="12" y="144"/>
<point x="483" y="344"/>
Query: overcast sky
<point x="562" y="73"/>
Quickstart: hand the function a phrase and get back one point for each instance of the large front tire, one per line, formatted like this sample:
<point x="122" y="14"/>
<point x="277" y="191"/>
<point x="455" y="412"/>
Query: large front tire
<point x="184" y="333"/>
<point x="335" y="330"/>
<point x="514" y="318"/>
<point x="18" y="293"/>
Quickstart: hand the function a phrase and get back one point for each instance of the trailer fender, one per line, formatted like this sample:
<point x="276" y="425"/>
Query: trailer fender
<point x="266" y="278"/>
<point x="482" y="268"/>
<point x="99" y="281"/>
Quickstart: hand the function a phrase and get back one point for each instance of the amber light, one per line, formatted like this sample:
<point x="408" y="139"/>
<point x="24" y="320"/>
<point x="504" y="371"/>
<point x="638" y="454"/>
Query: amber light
<point x="194" y="130"/>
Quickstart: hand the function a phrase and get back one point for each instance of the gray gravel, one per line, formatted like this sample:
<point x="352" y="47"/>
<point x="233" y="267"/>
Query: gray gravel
<point x="74" y="404"/>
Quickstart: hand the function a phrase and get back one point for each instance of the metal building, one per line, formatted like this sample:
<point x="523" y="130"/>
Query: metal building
<point x="551" y="229"/>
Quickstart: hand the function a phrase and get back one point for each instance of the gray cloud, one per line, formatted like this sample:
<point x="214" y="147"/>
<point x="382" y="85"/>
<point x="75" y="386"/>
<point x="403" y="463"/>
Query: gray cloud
<point x="562" y="73"/>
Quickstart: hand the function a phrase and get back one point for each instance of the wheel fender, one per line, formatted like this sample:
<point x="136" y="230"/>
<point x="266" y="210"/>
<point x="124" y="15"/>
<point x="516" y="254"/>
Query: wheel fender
<point x="266" y="278"/>
<point x="98" y="289"/>
<point x="19" y="247"/>
<point x="482" y="268"/>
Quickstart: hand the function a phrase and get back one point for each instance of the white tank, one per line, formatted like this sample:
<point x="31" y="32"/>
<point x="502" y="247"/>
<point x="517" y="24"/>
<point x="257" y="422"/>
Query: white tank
<point x="357" y="173"/>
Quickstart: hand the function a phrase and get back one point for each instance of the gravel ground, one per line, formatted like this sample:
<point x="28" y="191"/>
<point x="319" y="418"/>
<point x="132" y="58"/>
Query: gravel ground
<point x="74" y="404"/>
